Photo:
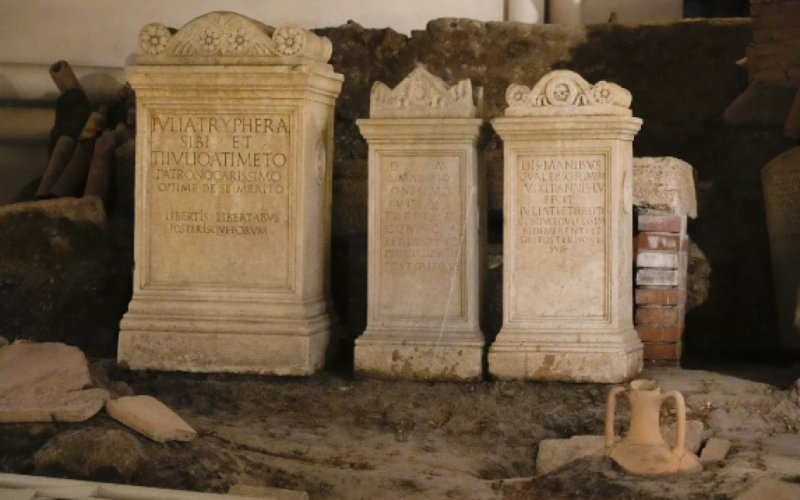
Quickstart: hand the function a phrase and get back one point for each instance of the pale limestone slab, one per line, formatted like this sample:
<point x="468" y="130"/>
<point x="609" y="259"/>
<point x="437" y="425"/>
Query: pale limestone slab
<point x="657" y="277"/>
<point x="266" y="493"/>
<point x="781" y="183"/>
<point x="664" y="184"/>
<point x="567" y="301"/>
<point x="151" y="418"/>
<point x="553" y="453"/>
<point x="233" y="198"/>
<point x="771" y="489"/>
<point x="425" y="239"/>
<point x="658" y="259"/>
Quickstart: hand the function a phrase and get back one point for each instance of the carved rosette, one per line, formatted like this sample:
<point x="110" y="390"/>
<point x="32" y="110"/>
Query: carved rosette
<point x="422" y="95"/>
<point x="225" y="37"/>
<point x="565" y="92"/>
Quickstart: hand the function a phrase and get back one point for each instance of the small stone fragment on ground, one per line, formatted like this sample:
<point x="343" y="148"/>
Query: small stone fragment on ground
<point x="44" y="383"/>
<point x="694" y="435"/>
<point x="268" y="493"/>
<point x="553" y="453"/>
<point x="715" y="450"/>
<point x="151" y="418"/>
<point x="771" y="489"/>
<point x="95" y="454"/>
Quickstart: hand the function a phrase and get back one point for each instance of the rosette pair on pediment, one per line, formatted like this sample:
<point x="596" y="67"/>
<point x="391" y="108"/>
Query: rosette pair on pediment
<point x="564" y="92"/>
<point x="229" y="38"/>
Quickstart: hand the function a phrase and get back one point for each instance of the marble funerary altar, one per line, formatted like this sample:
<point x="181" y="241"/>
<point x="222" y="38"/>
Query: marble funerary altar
<point x="233" y="198"/>
<point x="567" y="298"/>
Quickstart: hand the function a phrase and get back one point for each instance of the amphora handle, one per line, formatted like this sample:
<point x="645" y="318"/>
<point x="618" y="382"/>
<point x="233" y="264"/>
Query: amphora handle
<point x="611" y="407"/>
<point x="680" y="413"/>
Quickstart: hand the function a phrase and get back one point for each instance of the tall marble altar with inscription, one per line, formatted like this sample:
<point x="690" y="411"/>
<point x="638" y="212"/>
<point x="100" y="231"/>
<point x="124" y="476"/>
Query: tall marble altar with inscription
<point x="567" y="284"/>
<point x="233" y="198"/>
<point x="426" y="226"/>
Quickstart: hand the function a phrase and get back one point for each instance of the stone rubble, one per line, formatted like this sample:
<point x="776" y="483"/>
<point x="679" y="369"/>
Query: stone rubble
<point x="715" y="450"/>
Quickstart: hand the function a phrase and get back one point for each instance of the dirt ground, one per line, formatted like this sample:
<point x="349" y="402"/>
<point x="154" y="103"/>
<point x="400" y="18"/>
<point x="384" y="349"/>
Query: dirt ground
<point x="342" y="438"/>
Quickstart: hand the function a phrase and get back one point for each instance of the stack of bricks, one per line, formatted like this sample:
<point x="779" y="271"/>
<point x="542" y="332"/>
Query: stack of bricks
<point x="664" y="199"/>
<point x="774" y="56"/>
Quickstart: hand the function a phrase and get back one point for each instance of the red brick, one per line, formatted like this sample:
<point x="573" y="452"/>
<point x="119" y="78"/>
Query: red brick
<point x="659" y="316"/>
<point x="661" y="351"/>
<point x="650" y="241"/>
<point x="660" y="333"/>
<point x="660" y="296"/>
<point x="660" y="223"/>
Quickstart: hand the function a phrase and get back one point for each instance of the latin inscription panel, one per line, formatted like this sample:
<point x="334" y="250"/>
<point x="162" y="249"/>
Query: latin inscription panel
<point x="559" y="233"/>
<point x="219" y="188"/>
<point x="420" y="231"/>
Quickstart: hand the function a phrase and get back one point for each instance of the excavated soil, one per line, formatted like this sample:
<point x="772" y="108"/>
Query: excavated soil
<point x="342" y="438"/>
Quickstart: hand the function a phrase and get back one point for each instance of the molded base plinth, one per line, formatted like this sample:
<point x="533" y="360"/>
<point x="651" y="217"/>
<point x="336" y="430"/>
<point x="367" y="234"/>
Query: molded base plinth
<point x="445" y="360"/>
<point x="569" y="361"/>
<point x="271" y="354"/>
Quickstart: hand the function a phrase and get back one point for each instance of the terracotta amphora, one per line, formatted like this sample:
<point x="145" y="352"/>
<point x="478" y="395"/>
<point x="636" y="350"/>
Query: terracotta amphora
<point x="643" y="452"/>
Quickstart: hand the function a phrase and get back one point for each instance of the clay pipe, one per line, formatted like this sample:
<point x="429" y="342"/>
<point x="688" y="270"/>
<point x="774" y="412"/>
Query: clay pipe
<point x="62" y="154"/>
<point x="102" y="165"/>
<point x="63" y="76"/>
<point x="73" y="177"/>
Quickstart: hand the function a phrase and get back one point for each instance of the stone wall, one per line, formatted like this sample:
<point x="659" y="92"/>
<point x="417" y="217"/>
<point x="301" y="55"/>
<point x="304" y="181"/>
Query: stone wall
<point x="682" y="76"/>
<point x="774" y="58"/>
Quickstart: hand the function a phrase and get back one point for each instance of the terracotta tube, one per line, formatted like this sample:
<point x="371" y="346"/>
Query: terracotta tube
<point x="102" y="166"/>
<point x="62" y="154"/>
<point x="73" y="178"/>
<point x="64" y="77"/>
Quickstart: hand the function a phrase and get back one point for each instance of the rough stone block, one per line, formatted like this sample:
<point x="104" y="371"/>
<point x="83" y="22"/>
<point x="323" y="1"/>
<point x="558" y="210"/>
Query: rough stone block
<point x="150" y="417"/>
<point x="553" y="453"/>
<point x="657" y="277"/>
<point x="654" y="241"/>
<point x="658" y="259"/>
<point x="671" y="334"/>
<point x="665" y="316"/>
<point x="660" y="223"/>
<point x="661" y="351"/>
<point x="772" y="489"/>
<point x="660" y="296"/>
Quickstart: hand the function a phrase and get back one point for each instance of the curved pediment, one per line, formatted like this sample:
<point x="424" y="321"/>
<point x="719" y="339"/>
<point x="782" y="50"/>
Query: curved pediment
<point x="230" y="38"/>
<point x="564" y="92"/>
<point x="422" y="95"/>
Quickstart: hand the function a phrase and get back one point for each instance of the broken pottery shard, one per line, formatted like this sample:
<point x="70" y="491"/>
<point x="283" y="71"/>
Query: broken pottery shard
<point x="44" y="382"/>
<point x="151" y="418"/>
<point x="715" y="450"/>
<point x="553" y="453"/>
<point x="47" y="367"/>
<point x="268" y="493"/>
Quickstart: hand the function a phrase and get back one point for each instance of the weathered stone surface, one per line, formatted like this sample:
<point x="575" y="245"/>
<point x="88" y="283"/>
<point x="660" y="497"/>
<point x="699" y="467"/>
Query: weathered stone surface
<point x="64" y="276"/>
<point x="99" y="454"/>
<point x="715" y="450"/>
<point x="553" y="453"/>
<point x="150" y="417"/>
<point x="781" y="181"/>
<point x="772" y="489"/>
<point x="425" y="253"/>
<point x="232" y="234"/>
<point x="567" y="293"/>
<point x="664" y="184"/>
<point x="45" y="382"/>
